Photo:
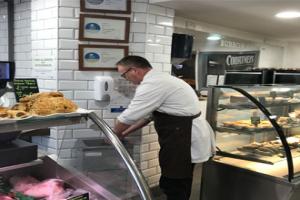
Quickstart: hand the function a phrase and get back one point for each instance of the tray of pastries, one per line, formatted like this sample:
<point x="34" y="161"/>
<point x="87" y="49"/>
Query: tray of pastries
<point x="39" y="105"/>
<point x="246" y="124"/>
<point x="284" y="122"/>
<point x="272" y="151"/>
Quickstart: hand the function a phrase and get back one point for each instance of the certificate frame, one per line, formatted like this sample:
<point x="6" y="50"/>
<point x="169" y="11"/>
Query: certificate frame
<point x="90" y="56"/>
<point x="106" y="6"/>
<point x="104" y="28"/>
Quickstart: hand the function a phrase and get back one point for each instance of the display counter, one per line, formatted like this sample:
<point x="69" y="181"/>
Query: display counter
<point x="99" y="167"/>
<point x="258" y="143"/>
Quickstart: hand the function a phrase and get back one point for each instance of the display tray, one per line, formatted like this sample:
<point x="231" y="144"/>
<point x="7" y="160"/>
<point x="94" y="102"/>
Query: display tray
<point x="258" y="156"/>
<point x="251" y="130"/>
<point x="238" y="106"/>
<point x="38" y="122"/>
<point x="78" y="112"/>
<point x="243" y="130"/>
<point x="250" y="105"/>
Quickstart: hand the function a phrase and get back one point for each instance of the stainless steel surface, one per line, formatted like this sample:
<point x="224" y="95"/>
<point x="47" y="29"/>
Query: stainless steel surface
<point x="47" y="168"/>
<point x="137" y="176"/>
<point x="197" y="71"/>
<point x="20" y="166"/>
<point x="223" y="182"/>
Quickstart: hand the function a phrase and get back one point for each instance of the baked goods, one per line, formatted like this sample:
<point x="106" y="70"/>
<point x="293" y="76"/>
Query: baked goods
<point x="239" y="124"/>
<point x="17" y="114"/>
<point x="46" y="103"/>
<point x="263" y="149"/>
<point x="8" y="113"/>
<point x="3" y="112"/>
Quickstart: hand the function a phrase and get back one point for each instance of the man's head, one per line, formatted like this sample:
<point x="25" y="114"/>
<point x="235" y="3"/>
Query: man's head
<point x="133" y="68"/>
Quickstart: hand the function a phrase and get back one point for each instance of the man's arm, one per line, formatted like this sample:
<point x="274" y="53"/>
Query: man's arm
<point x="139" y="124"/>
<point x="122" y="129"/>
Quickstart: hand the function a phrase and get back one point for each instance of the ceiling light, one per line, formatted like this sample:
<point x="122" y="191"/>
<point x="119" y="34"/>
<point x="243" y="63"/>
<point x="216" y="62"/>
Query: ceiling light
<point x="288" y="14"/>
<point x="214" y="37"/>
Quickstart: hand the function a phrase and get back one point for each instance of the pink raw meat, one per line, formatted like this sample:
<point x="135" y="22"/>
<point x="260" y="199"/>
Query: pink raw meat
<point x="5" y="197"/>
<point x="46" y="188"/>
<point x="21" y="184"/>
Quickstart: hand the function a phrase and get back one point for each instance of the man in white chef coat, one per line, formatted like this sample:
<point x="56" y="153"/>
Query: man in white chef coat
<point x="172" y="104"/>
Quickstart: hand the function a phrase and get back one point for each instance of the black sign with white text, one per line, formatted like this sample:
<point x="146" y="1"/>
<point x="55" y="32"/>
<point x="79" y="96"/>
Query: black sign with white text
<point x="25" y="87"/>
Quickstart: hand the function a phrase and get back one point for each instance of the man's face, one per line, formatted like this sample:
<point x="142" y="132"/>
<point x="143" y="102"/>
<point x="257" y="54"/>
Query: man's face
<point x="129" y="73"/>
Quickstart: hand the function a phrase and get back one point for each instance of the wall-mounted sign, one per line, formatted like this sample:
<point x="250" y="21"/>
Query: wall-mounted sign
<point x="104" y="28"/>
<point x="212" y="65"/>
<point x="232" y="44"/>
<point x="100" y="57"/>
<point x="106" y="6"/>
<point x="44" y="65"/>
<point x="232" y="60"/>
<point x="23" y="87"/>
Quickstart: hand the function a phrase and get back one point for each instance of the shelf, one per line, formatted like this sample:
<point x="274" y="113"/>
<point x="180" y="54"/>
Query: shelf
<point x="251" y="131"/>
<point x="248" y="131"/>
<point x="21" y="166"/>
<point x="258" y="158"/>
<point x="249" y="105"/>
<point x="39" y="122"/>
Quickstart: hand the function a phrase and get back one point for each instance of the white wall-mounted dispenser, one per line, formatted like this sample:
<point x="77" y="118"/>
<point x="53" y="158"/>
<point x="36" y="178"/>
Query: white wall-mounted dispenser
<point x="103" y="87"/>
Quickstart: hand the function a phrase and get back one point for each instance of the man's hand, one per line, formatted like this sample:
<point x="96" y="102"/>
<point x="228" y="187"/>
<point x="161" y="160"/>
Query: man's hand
<point x="120" y="128"/>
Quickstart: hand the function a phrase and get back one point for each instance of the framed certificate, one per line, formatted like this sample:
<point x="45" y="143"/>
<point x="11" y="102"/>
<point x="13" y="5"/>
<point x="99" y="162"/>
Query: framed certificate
<point x="106" y="6"/>
<point x="100" y="57"/>
<point x="104" y="28"/>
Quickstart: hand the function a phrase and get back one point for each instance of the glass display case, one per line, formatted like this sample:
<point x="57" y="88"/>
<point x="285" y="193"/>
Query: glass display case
<point x="257" y="137"/>
<point x="99" y="168"/>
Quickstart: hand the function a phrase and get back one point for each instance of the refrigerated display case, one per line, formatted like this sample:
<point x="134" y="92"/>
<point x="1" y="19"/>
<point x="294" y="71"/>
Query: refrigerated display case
<point x="257" y="130"/>
<point x="99" y="168"/>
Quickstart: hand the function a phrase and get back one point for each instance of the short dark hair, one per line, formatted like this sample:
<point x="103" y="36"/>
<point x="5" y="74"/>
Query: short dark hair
<point x="134" y="61"/>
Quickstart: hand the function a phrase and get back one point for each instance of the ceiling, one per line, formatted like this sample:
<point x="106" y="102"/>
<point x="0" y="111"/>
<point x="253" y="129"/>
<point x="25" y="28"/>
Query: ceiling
<point x="254" y="16"/>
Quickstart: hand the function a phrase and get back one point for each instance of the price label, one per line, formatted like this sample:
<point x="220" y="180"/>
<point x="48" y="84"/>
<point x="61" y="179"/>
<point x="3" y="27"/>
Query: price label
<point x="255" y="120"/>
<point x="25" y="87"/>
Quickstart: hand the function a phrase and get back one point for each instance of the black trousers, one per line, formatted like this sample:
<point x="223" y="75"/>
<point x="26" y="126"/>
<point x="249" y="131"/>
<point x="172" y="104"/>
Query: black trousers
<point x="176" y="189"/>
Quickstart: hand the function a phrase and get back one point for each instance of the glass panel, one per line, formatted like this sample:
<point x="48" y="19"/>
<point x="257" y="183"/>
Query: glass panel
<point x="94" y="160"/>
<point x="244" y="131"/>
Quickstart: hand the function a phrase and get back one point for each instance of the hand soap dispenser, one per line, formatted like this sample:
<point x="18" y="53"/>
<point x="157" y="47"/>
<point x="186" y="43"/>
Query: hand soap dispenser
<point x="103" y="87"/>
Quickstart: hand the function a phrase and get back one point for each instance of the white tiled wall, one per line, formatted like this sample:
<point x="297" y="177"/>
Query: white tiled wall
<point x="49" y="29"/>
<point x="3" y="32"/>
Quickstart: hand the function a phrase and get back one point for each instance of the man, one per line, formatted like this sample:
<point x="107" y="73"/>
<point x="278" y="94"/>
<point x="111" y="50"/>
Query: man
<point x="175" y="109"/>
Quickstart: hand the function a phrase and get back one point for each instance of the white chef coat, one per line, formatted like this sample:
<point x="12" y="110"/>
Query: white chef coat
<point x="167" y="94"/>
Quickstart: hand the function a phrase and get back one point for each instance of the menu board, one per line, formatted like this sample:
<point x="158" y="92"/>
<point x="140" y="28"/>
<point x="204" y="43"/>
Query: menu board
<point x="25" y="87"/>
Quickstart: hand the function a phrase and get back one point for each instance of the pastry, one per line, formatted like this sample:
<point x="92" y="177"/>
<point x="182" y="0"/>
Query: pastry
<point x="45" y="103"/>
<point x="50" y="105"/>
<point x="3" y="112"/>
<point x="41" y="95"/>
<point x="17" y="114"/>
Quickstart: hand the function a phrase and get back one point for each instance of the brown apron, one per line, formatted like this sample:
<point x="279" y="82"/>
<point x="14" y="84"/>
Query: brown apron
<point x="174" y="136"/>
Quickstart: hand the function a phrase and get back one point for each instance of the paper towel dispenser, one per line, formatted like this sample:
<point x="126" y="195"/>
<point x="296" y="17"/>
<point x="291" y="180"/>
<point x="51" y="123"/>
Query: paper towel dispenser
<point x="103" y="87"/>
